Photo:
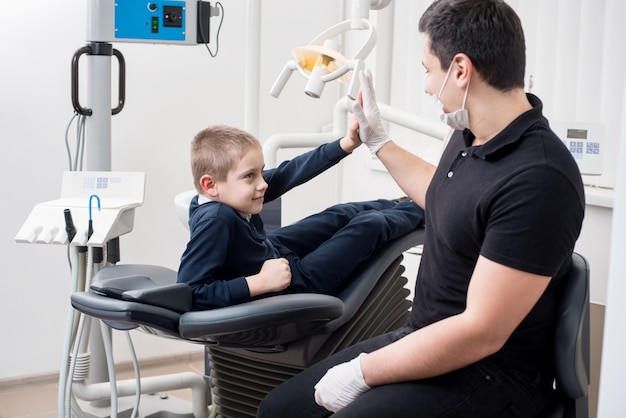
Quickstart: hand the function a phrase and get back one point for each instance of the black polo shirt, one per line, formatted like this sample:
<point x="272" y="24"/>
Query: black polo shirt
<point x="517" y="200"/>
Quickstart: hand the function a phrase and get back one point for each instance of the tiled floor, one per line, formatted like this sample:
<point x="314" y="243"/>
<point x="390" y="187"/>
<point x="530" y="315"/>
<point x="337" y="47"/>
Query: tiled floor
<point x="40" y="400"/>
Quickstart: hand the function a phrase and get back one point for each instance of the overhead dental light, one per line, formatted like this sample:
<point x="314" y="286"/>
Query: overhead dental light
<point x="315" y="62"/>
<point x="321" y="60"/>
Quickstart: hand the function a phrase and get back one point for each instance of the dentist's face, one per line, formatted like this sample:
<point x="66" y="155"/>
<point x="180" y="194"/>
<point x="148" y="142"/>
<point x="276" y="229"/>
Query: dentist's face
<point x="435" y="75"/>
<point x="244" y="188"/>
<point x="450" y="96"/>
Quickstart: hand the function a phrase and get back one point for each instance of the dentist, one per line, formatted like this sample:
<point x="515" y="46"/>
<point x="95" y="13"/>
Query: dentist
<point x="504" y="208"/>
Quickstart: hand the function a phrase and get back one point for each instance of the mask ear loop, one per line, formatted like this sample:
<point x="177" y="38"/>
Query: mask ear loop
<point x="465" y="96"/>
<point x="445" y="80"/>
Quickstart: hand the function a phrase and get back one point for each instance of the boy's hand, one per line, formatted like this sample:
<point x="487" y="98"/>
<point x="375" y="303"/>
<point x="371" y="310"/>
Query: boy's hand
<point x="275" y="275"/>
<point x="351" y="141"/>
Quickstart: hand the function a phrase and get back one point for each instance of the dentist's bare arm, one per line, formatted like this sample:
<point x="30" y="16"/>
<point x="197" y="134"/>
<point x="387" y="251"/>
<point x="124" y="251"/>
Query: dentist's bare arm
<point x="499" y="298"/>
<point x="410" y="172"/>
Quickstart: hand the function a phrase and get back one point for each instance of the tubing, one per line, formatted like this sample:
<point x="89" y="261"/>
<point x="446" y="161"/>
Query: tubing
<point x="100" y="391"/>
<point x="69" y="335"/>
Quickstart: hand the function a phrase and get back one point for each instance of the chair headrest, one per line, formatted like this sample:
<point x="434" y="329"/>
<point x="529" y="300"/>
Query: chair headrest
<point x="153" y="285"/>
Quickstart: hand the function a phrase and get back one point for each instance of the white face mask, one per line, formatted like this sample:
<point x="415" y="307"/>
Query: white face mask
<point x="456" y="120"/>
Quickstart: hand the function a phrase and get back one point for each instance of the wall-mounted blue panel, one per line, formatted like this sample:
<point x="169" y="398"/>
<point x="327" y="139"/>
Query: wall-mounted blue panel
<point x="150" y="20"/>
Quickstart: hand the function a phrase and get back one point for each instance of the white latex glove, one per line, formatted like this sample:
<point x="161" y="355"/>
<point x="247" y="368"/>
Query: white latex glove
<point x="341" y="385"/>
<point x="371" y="130"/>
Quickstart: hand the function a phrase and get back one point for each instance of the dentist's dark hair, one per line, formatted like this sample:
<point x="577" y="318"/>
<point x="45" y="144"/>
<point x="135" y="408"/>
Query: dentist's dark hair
<point x="489" y="32"/>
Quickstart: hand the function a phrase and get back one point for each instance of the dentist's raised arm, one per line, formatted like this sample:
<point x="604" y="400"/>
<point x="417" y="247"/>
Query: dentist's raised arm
<point x="410" y="172"/>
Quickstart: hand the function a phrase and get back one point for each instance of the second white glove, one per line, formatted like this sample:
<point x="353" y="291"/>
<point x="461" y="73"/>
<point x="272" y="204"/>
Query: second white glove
<point x="371" y="129"/>
<point x="341" y="385"/>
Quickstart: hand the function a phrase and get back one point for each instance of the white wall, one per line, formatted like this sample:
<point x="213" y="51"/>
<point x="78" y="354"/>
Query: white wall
<point x="172" y="92"/>
<point x="614" y="363"/>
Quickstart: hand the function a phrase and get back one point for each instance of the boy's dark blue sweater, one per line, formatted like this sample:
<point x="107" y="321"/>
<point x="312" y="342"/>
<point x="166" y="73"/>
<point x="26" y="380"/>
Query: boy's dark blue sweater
<point x="224" y="248"/>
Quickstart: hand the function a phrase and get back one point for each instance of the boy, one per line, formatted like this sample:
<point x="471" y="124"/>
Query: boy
<point x="230" y="259"/>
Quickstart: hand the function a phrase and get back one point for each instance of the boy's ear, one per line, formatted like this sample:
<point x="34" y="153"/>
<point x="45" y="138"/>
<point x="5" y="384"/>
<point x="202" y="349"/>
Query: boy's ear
<point x="208" y="185"/>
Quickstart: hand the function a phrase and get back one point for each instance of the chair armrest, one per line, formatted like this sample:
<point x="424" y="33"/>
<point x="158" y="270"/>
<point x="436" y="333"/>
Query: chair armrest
<point x="263" y="322"/>
<point x="125" y="315"/>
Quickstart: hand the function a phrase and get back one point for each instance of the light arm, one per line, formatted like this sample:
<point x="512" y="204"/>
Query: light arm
<point x="282" y="79"/>
<point x="317" y="79"/>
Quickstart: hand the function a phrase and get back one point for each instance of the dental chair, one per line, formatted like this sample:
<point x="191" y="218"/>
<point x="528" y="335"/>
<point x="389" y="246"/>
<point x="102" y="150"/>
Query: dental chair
<point x="254" y="346"/>
<point x="571" y="346"/>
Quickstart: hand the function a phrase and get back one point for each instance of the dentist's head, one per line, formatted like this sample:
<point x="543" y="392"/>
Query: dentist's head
<point x="489" y="32"/>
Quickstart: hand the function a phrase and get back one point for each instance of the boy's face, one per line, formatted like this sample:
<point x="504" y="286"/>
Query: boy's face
<point x="244" y="188"/>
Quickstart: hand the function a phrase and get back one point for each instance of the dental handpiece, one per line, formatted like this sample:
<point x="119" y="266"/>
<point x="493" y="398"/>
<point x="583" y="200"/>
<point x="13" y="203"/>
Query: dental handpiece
<point x="70" y="229"/>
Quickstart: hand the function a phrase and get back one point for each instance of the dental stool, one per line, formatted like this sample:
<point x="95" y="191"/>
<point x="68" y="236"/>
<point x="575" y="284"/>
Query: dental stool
<point x="254" y="346"/>
<point x="572" y="346"/>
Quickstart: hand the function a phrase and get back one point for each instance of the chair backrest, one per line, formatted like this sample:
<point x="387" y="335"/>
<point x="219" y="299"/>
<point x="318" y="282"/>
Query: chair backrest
<point x="571" y="345"/>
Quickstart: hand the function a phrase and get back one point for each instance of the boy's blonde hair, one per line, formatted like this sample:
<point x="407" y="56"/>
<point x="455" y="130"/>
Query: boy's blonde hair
<point x="216" y="150"/>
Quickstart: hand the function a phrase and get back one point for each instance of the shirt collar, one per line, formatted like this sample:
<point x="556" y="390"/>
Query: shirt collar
<point x="246" y="216"/>
<point x="204" y="199"/>
<point x="511" y="133"/>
